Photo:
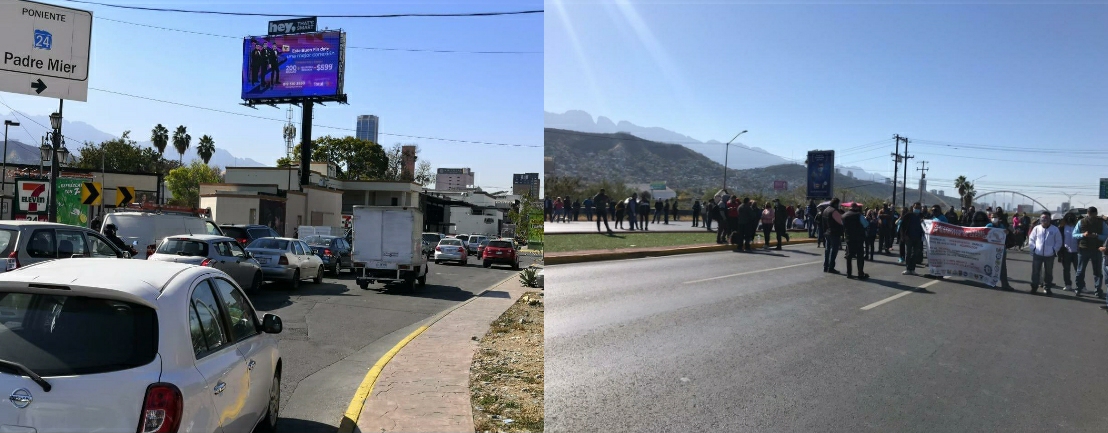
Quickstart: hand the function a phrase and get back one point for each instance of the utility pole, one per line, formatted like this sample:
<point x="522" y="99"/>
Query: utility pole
<point x="904" y="186"/>
<point x="896" y="167"/>
<point x="923" y="178"/>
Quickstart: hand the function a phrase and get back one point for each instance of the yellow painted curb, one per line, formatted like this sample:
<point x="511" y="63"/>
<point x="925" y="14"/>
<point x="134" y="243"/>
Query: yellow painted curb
<point x="623" y="255"/>
<point x="354" y="409"/>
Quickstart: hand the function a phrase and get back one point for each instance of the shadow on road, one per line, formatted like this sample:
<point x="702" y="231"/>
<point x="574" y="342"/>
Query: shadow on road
<point x="445" y="293"/>
<point x="277" y="295"/>
<point x="302" y="426"/>
<point x="1058" y="293"/>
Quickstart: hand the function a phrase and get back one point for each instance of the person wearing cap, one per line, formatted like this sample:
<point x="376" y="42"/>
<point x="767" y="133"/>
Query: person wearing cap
<point x="1090" y="232"/>
<point x="1044" y="241"/>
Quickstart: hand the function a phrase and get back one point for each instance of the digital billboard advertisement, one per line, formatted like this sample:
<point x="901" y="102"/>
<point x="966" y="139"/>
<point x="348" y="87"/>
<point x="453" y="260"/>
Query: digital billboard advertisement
<point x="821" y="174"/>
<point x="293" y="66"/>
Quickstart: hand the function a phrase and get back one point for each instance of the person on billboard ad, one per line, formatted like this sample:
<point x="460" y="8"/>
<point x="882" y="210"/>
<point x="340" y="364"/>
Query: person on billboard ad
<point x="257" y="61"/>
<point x="272" y="55"/>
<point x="819" y="176"/>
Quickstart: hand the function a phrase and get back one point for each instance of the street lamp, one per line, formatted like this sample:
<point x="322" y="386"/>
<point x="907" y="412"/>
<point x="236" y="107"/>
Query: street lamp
<point x="4" y="180"/>
<point x="726" y="151"/>
<point x="53" y="148"/>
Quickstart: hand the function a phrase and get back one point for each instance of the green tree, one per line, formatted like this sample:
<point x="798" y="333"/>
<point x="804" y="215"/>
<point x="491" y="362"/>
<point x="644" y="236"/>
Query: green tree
<point x="965" y="191"/>
<point x="181" y="141"/>
<point x="184" y="182"/>
<point x="160" y="137"/>
<point x="356" y="159"/>
<point x="120" y="154"/>
<point x="395" y="171"/>
<point x="206" y="148"/>
<point x="424" y="175"/>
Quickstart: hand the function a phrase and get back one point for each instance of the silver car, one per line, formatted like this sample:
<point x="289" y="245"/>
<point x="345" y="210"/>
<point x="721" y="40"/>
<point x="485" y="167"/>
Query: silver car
<point x="451" y="249"/>
<point x="286" y="259"/>
<point x="219" y="252"/>
<point x="27" y="242"/>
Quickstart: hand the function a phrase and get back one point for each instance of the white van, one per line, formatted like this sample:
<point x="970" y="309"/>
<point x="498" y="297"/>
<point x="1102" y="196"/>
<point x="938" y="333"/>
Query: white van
<point x="148" y="229"/>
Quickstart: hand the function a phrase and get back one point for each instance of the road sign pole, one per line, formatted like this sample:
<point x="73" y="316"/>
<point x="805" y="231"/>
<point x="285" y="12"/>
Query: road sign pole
<point x="56" y="142"/>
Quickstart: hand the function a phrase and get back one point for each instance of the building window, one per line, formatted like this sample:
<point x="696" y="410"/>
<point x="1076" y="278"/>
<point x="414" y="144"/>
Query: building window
<point x="396" y="201"/>
<point x="253" y="216"/>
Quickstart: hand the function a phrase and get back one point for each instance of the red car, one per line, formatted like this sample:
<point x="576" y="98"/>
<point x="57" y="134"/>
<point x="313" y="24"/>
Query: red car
<point x="501" y="252"/>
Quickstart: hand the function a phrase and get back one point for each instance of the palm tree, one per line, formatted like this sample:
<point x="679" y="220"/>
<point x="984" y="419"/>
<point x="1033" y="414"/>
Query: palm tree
<point x="160" y="136"/>
<point x="181" y="140"/>
<point x="206" y="148"/>
<point x="965" y="189"/>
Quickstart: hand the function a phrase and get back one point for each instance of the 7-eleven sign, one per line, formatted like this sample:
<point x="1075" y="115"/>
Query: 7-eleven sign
<point x="32" y="195"/>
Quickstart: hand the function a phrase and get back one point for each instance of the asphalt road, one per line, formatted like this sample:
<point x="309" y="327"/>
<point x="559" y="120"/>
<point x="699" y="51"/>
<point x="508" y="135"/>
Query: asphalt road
<point x="335" y="331"/>
<point x="663" y="344"/>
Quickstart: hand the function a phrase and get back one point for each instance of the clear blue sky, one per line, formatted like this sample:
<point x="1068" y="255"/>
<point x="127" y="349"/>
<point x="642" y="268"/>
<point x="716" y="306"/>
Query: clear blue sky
<point x="475" y="97"/>
<point x="803" y="77"/>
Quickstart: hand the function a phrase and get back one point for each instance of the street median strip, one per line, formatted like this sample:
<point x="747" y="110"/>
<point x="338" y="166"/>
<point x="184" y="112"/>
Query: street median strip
<point x="354" y="410"/>
<point x="568" y="258"/>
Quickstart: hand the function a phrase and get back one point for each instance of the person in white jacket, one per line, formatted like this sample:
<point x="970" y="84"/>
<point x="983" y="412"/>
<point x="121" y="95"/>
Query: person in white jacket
<point x="1044" y="241"/>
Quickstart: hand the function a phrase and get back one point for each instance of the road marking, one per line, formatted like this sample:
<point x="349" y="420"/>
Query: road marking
<point x="751" y="272"/>
<point x="354" y="410"/>
<point x="895" y="297"/>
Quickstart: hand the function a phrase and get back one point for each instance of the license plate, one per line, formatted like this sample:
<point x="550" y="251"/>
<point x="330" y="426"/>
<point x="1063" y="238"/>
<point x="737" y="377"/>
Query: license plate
<point x="263" y="261"/>
<point x="380" y="265"/>
<point x="499" y="253"/>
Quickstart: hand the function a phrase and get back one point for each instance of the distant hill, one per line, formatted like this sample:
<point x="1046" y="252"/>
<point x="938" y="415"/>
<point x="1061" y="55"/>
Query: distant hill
<point x="629" y="159"/>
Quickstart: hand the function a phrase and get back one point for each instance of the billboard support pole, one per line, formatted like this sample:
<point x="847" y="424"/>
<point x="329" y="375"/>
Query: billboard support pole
<point x="306" y="144"/>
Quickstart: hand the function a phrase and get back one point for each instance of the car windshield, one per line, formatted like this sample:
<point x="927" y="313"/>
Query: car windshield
<point x="270" y="243"/>
<point x="431" y="237"/>
<point x="260" y="233"/>
<point x="235" y="232"/>
<point x="500" y="244"/>
<point x="184" y="247"/>
<point x="318" y="241"/>
<point x="452" y="242"/>
<point x="69" y="335"/>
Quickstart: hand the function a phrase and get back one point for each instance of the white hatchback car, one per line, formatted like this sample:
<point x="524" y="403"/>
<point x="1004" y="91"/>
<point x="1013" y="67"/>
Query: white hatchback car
<point x="112" y="345"/>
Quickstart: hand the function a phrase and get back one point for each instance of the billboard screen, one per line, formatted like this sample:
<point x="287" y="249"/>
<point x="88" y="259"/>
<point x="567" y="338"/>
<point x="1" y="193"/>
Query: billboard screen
<point x="821" y="174"/>
<point x="293" y="66"/>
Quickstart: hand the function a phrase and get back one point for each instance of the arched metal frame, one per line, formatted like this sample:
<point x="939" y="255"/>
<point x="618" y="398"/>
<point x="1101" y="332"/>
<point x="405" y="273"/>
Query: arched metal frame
<point x="1042" y="206"/>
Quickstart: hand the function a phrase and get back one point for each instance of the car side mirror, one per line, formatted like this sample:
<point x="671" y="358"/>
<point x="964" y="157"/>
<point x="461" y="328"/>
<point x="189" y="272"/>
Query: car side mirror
<point x="271" y="324"/>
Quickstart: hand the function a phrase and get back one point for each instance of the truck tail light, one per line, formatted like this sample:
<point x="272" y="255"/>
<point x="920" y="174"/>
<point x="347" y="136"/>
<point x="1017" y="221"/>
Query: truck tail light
<point x="206" y="262"/>
<point x="283" y="260"/>
<point x="161" y="409"/>
<point x="13" y="260"/>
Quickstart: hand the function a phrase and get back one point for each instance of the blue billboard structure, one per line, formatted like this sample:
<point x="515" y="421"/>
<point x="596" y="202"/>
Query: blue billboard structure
<point x="304" y="65"/>
<point x="821" y="174"/>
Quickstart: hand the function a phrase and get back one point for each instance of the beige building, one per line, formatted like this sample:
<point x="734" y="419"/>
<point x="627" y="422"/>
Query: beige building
<point x="454" y="179"/>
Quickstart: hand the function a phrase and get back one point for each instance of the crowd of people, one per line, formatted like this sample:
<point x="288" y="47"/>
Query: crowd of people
<point x="636" y="211"/>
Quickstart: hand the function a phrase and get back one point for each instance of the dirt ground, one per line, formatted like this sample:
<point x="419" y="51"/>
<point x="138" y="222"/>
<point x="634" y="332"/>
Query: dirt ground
<point x="506" y="378"/>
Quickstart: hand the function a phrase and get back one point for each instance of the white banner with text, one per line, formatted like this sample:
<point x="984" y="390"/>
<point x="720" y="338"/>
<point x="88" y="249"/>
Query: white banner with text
<point x="969" y="252"/>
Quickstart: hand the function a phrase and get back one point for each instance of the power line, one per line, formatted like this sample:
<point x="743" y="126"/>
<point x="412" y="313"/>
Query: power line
<point x="348" y="47"/>
<point x="1014" y="160"/>
<point x="1057" y="150"/>
<point x="257" y="14"/>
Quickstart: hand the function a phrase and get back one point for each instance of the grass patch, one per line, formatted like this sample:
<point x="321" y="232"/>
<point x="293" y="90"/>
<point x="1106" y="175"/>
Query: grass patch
<point x="622" y="240"/>
<point x="506" y="378"/>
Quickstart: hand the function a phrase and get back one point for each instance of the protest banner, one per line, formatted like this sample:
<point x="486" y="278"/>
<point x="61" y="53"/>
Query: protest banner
<point x="973" y="253"/>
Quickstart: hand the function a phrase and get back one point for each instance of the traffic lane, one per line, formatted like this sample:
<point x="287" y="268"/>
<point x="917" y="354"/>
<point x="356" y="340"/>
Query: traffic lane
<point x="789" y="364"/>
<point x="329" y="322"/>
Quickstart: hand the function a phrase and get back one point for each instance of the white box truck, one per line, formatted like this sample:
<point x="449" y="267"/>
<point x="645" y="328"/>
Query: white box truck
<point x="387" y="244"/>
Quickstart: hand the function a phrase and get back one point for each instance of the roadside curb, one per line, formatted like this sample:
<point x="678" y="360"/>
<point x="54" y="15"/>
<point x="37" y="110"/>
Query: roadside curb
<point x="623" y="255"/>
<point x="354" y="411"/>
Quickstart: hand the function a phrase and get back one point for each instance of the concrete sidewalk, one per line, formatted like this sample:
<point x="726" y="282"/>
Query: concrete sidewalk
<point x="425" y="387"/>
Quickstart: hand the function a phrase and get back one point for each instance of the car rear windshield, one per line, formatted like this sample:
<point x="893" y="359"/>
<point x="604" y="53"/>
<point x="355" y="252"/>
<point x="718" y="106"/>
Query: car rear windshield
<point x="235" y="232"/>
<point x="69" y="335"/>
<point x="270" y="243"/>
<point x="184" y="247"/>
<point x="431" y="237"/>
<point x="454" y="242"/>
<point x="261" y="233"/>
<point x="500" y="244"/>
<point x="318" y="241"/>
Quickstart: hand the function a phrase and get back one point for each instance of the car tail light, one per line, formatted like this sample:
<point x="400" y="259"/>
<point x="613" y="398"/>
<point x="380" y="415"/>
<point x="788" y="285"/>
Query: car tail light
<point x="283" y="260"/>
<point x="244" y="241"/>
<point x="206" y="262"/>
<point x="161" y="409"/>
<point x="436" y="249"/>
<point x="327" y="252"/>
<point x="13" y="260"/>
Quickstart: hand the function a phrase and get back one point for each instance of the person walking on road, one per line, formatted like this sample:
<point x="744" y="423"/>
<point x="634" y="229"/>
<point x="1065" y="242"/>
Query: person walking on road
<point x="709" y="213"/>
<point x="743" y="222"/>
<point x="588" y="209"/>
<point x="999" y="220"/>
<point x="1044" y="241"/>
<point x="871" y="233"/>
<point x="1068" y="254"/>
<point x="911" y="236"/>
<point x="1018" y="231"/>
<point x="657" y="211"/>
<point x="601" y="201"/>
<point x="559" y="207"/>
<point x="644" y="213"/>
<point x="612" y="210"/>
<point x="576" y="209"/>
<point x="733" y="221"/>
<point x="676" y="212"/>
<point x="767" y="224"/>
<point x="548" y="209"/>
<point x="810" y="218"/>
<point x="695" y="213"/>
<point x="1090" y="232"/>
<point x="832" y="219"/>
<point x="782" y="216"/>
<point x="632" y="206"/>
<point x="854" y="226"/>
<point x="665" y="212"/>
<point x="621" y="207"/>
<point x="885" y="229"/>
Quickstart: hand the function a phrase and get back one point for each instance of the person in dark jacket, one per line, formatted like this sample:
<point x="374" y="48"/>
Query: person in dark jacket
<point x="548" y="209"/>
<point x="588" y="209"/>
<point x="665" y="212"/>
<point x="1091" y="233"/>
<point x="695" y="213"/>
<point x="657" y="211"/>
<point x="632" y="209"/>
<point x="911" y="235"/>
<point x="733" y="221"/>
<point x="811" y="217"/>
<point x="644" y="213"/>
<point x="743" y="222"/>
<point x="832" y="225"/>
<point x="576" y="209"/>
<point x="854" y="226"/>
<point x="871" y="233"/>
<point x="885" y="230"/>
<point x="676" y="212"/>
<point x="781" y="221"/>
<point x="602" y="202"/>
